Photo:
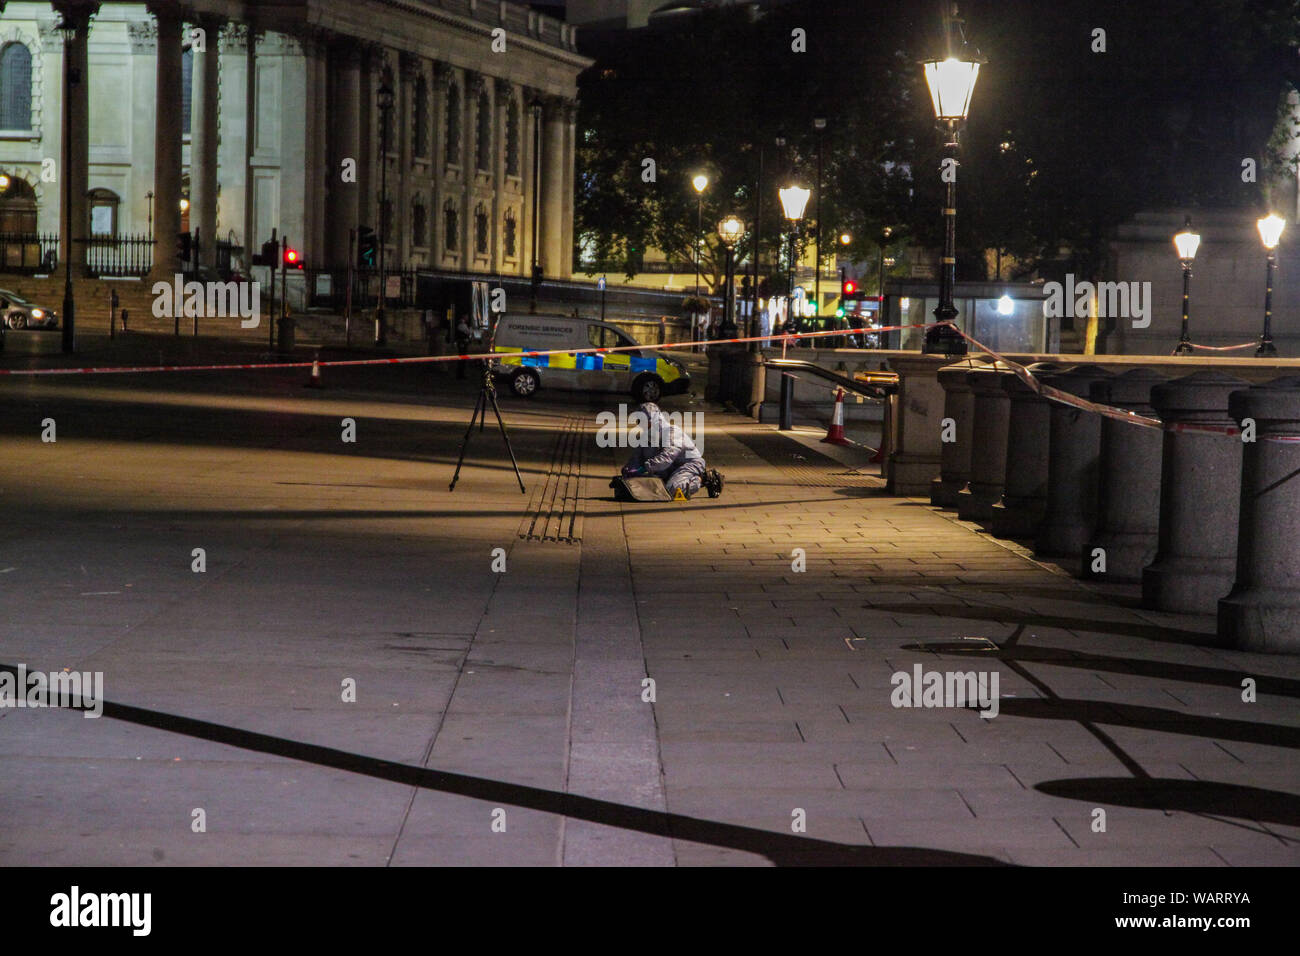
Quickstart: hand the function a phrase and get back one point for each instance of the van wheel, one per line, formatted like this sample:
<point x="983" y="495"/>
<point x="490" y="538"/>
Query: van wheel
<point x="648" y="388"/>
<point x="524" y="383"/>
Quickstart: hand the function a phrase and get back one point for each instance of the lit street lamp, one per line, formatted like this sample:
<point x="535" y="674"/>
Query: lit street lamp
<point x="701" y="183"/>
<point x="952" y="82"/>
<point x="730" y="230"/>
<point x="1186" y="242"/>
<point x="1270" y="233"/>
<point x="794" y="199"/>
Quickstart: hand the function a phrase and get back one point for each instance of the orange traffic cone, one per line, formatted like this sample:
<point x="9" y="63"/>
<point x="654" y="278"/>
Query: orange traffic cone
<point x="835" y="434"/>
<point x="314" y="381"/>
<point x="879" y="457"/>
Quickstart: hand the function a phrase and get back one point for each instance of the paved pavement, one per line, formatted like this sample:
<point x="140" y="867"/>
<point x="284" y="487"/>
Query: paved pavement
<point x="771" y="736"/>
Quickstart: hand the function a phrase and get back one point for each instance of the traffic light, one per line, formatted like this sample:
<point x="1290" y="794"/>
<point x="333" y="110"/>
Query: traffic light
<point x="292" y="258"/>
<point x="269" y="254"/>
<point x="848" y="289"/>
<point x="367" y="248"/>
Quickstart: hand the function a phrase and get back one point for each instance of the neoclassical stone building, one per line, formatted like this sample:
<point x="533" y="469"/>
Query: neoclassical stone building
<point x="234" y="117"/>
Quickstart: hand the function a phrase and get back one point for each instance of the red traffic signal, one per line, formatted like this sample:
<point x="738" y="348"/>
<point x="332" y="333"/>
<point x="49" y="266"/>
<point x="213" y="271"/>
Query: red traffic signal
<point x="292" y="258"/>
<point x="849" y="289"/>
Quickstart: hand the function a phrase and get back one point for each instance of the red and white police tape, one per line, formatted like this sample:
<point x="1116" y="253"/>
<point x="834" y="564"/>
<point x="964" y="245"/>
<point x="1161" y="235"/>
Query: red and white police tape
<point x="1021" y="372"/>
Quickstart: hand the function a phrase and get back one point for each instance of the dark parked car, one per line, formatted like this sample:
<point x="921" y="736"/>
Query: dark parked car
<point x="18" y="313"/>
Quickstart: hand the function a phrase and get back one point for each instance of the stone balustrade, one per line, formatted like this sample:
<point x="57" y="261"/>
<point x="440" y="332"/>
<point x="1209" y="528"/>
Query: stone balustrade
<point x="1203" y="512"/>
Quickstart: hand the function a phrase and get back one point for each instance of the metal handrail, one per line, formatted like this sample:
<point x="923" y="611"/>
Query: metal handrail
<point x="873" y="390"/>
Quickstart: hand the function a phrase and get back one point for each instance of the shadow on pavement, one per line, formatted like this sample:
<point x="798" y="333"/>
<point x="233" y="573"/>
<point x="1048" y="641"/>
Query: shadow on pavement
<point x="1189" y="796"/>
<point x="1011" y="615"/>
<point x="782" y="849"/>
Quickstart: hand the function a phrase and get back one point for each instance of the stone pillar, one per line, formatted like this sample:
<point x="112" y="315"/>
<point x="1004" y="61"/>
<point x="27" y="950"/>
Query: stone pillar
<point x="1262" y="613"/>
<point x="318" y="176"/>
<point x="252" y="241"/>
<point x="203" y="138"/>
<point x="1128" y="499"/>
<point x="1075" y="447"/>
<point x="167" y="141"/>
<point x="74" y="165"/>
<point x="914" y="454"/>
<point x="345" y="141"/>
<point x="369" y="77"/>
<point x="954" y="456"/>
<point x="988" y="450"/>
<point x="530" y="221"/>
<point x="1024" y="498"/>
<point x="553" y="179"/>
<point x="570" y="147"/>
<point x="1200" y="483"/>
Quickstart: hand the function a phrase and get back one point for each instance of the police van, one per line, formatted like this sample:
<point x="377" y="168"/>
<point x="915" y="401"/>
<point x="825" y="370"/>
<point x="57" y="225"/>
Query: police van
<point x="644" y="373"/>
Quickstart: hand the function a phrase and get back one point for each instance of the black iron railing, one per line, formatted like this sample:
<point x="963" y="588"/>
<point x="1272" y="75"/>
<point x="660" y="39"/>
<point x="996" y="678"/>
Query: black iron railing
<point x="119" y="256"/>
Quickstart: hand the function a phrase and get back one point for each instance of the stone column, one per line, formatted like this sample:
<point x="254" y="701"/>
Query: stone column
<point x="369" y="77"/>
<point x="914" y="453"/>
<point x="252" y="241"/>
<point x="570" y="148"/>
<point x="203" y="137"/>
<point x="1024" y="498"/>
<point x="1262" y="612"/>
<point x="1071" y="515"/>
<point x="1200" y="483"/>
<point x="954" y="456"/>
<point x="553" y="179"/>
<point x="318" y="175"/>
<point x="345" y="140"/>
<point x="167" y="141"/>
<point x="74" y="165"/>
<point x="531" y="182"/>
<point x="1128" y="499"/>
<point x="503" y="93"/>
<point x="988" y="454"/>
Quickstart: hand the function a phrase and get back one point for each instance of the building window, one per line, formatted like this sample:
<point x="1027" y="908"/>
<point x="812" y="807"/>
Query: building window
<point x="419" y="222"/>
<point x="512" y="138"/>
<point x="484" y="145"/>
<point x="453" y="125"/>
<point x="15" y="87"/>
<point x="187" y="89"/>
<point x="421" y="117"/>
<point x="450" y="226"/>
<point x="103" y="213"/>
<point x="510" y="234"/>
<point x="480" y="230"/>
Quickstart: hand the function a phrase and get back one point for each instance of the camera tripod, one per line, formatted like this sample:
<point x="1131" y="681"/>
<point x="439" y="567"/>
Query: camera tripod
<point x="487" y="393"/>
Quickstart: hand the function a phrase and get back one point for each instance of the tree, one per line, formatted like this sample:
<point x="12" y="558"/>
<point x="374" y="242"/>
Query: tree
<point x="1063" y="143"/>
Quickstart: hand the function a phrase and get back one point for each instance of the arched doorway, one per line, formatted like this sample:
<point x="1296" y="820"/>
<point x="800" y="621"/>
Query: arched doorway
<point x="20" y="246"/>
<point x="17" y="207"/>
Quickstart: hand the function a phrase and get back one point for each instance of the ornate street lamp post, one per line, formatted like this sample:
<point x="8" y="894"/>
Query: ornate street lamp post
<point x="1186" y="242"/>
<point x="951" y="81"/>
<point x="794" y="199"/>
<point x="1270" y="233"/>
<point x="701" y="183"/>
<point x="730" y="230"/>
